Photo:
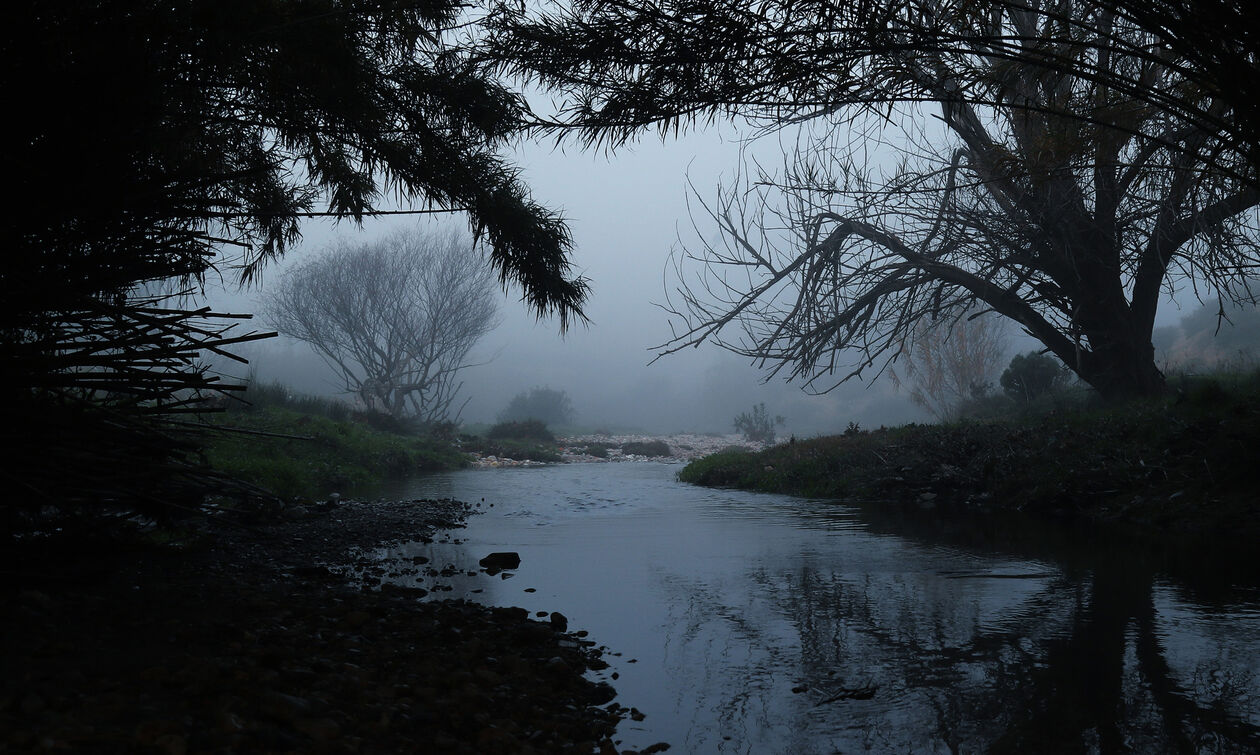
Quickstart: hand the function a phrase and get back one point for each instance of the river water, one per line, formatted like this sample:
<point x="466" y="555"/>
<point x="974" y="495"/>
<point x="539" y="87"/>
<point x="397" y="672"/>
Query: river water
<point x="754" y="623"/>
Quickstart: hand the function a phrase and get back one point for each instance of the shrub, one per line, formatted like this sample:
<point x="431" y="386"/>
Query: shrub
<point x="1033" y="374"/>
<point x="598" y="450"/>
<point x="530" y="429"/>
<point x="646" y="448"/>
<point x="757" y="426"/>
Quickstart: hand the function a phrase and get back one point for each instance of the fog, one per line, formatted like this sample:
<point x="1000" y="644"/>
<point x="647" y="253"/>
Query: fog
<point x="626" y="211"/>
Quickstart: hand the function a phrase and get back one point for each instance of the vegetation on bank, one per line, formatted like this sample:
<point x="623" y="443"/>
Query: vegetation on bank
<point x="1185" y="460"/>
<point x="652" y="448"/>
<point x="524" y="440"/>
<point x="305" y="446"/>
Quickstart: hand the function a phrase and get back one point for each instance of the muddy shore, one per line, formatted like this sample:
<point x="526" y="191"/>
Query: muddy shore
<point x="233" y="638"/>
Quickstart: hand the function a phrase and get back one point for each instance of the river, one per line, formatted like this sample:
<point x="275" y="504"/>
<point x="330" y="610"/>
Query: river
<point x="753" y="623"/>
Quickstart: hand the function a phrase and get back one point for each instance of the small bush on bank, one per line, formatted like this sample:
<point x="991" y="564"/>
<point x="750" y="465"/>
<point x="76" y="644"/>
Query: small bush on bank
<point x="758" y="425"/>
<point x="646" y="448"/>
<point x="1032" y="375"/>
<point x="530" y="429"/>
<point x="598" y="450"/>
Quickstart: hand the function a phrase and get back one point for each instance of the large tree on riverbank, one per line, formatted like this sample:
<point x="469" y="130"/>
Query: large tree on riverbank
<point x="1071" y="177"/>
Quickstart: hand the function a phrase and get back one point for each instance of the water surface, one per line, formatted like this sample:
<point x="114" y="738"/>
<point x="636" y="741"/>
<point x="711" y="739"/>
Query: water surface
<point x="753" y="623"/>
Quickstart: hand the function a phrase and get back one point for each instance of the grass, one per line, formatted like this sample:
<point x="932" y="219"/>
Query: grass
<point x="1185" y="461"/>
<point x="330" y="449"/>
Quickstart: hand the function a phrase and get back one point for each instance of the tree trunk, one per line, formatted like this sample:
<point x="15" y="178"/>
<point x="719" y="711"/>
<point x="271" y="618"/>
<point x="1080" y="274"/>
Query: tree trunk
<point x="1121" y="368"/>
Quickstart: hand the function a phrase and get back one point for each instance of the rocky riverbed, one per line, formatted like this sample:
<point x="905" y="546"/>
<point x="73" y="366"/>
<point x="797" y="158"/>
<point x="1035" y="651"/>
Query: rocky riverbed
<point x="229" y="637"/>
<point x="601" y="448"/>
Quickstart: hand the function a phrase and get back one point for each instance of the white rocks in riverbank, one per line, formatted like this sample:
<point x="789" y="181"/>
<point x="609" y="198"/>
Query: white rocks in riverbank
<point x="683" y="447"/>
<point x="495" y="461"/>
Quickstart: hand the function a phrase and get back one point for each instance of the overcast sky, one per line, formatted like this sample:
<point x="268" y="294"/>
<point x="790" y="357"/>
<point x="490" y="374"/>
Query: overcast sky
<point x="625" y="212"/>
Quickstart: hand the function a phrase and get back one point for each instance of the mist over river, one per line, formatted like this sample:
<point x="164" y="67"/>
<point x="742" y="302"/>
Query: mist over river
<point x="753" y="623"/>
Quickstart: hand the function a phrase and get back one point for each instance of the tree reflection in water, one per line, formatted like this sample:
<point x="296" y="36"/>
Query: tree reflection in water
<point x="1086" y="655"/>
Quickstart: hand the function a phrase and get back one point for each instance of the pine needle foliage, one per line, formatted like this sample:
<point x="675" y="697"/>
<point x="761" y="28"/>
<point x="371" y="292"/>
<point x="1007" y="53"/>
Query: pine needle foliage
<point x="153" y="141"/>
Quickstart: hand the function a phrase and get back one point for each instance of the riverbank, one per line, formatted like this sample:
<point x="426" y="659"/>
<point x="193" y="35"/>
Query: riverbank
<point x="1184" y="464"/>
<point x="303" y="454"/>
<point x="223" y="638"/>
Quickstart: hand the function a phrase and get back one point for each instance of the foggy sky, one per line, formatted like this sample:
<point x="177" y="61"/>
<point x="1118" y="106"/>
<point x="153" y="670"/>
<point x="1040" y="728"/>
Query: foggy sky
<point x="626" y="212"/>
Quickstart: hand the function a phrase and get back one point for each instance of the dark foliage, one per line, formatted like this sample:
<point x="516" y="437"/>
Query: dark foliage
<point x="149" y="140"/>
<point x="156" y="134"/>
<point x="1033" y="375"/>
<point x="598" y="450"/>
<point x="530" y="429"/>
<point x="1176" y="464"/>
<point x="646" y="448"/>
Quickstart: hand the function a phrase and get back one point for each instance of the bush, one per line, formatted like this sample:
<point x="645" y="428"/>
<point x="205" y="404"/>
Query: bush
<point x="1032" y="375"/>
<point x="530" y="429"/>
<point x="757" y="426"/>
<point x="646" y="448"/>
<point x="598" y="450"/>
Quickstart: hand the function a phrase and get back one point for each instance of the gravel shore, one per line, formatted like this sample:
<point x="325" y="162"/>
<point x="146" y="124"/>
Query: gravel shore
<point x="238" y="641"/>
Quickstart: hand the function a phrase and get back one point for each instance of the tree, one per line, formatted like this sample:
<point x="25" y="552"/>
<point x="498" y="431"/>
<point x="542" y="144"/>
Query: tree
<point x="162" y="140"/>
<point x="949" y="362"/>
<point x="1067" y="184"/>
<point x="223" y="124"/>
<point x="396" y="319"/>
<point x="548" y="405"/>
<point x="757" y="425"/>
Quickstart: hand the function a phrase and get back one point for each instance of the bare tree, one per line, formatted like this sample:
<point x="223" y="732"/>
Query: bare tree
<point x="1076" y="171"/>
<point x="396" y="319"/>
<point x="1073" y="230"/>
<point x="951" y="361"/>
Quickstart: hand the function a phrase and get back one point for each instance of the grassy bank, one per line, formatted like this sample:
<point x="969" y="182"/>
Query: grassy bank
<point x="1186" y="461"/>
<point x="328" y="450"/>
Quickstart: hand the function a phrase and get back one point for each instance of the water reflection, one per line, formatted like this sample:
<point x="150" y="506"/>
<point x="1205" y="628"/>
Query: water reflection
<point x="753" y="620"/>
